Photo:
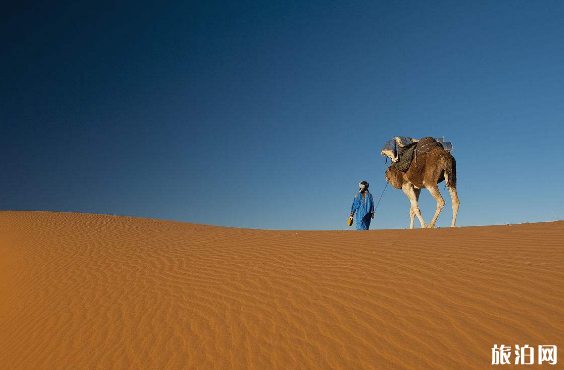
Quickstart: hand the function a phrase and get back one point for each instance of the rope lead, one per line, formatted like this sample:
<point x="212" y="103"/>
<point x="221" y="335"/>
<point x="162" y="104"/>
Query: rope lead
<point x="381" y="195"/>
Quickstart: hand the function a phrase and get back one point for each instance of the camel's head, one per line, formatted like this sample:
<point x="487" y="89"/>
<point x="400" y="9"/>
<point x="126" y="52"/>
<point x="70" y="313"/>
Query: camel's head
<point x="390" y="153"/>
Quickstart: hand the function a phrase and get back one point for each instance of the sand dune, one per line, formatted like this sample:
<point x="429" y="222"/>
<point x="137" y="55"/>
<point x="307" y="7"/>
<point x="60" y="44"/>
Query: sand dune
<point x="82" y="291"/>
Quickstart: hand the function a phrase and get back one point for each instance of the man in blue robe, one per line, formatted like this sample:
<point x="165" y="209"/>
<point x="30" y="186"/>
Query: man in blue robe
<point x="363" y="205"/>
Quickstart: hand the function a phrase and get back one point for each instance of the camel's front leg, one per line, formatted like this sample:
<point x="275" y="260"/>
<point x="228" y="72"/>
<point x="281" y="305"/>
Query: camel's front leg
<point x="412" y="210"/>
<point x="413" y="196"/>
<point x="411" y="217"/>
<point x="434" y="190"/>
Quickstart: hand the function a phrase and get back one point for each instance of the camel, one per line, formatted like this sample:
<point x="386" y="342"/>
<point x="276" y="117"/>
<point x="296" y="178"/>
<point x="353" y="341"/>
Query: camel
<point x="430" y="165"/>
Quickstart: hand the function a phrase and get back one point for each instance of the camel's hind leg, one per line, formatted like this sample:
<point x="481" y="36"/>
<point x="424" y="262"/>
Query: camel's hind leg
<point x="434" y="190"/>
<point x="454" y="199"/>
<point x="413" y="196"/>
<point x="455" y="204"/>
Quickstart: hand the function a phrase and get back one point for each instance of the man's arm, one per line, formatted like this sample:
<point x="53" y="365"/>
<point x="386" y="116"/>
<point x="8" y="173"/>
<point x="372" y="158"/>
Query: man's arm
<point x="354" y="206"/>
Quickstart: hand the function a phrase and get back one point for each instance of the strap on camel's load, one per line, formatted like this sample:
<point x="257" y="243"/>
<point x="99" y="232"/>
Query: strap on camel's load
<point x="402" y="149"/>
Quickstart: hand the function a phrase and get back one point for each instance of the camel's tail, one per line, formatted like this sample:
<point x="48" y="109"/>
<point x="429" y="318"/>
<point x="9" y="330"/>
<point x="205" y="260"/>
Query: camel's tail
<point x="449" y="165"/>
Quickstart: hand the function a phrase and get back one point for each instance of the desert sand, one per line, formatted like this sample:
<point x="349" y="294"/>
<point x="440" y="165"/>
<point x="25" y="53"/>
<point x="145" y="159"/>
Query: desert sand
<point x="85" y="291"/>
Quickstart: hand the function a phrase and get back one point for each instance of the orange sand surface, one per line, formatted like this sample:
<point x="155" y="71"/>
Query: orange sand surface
<point x="84" y="291"/>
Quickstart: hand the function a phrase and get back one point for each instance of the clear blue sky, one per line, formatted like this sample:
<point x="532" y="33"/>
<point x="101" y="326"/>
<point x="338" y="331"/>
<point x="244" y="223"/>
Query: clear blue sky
<point x="267" y="114"/>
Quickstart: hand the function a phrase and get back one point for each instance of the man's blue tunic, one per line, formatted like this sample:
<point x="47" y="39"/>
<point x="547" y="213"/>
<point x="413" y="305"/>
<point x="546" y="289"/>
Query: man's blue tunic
<point x="363" y="207"/>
